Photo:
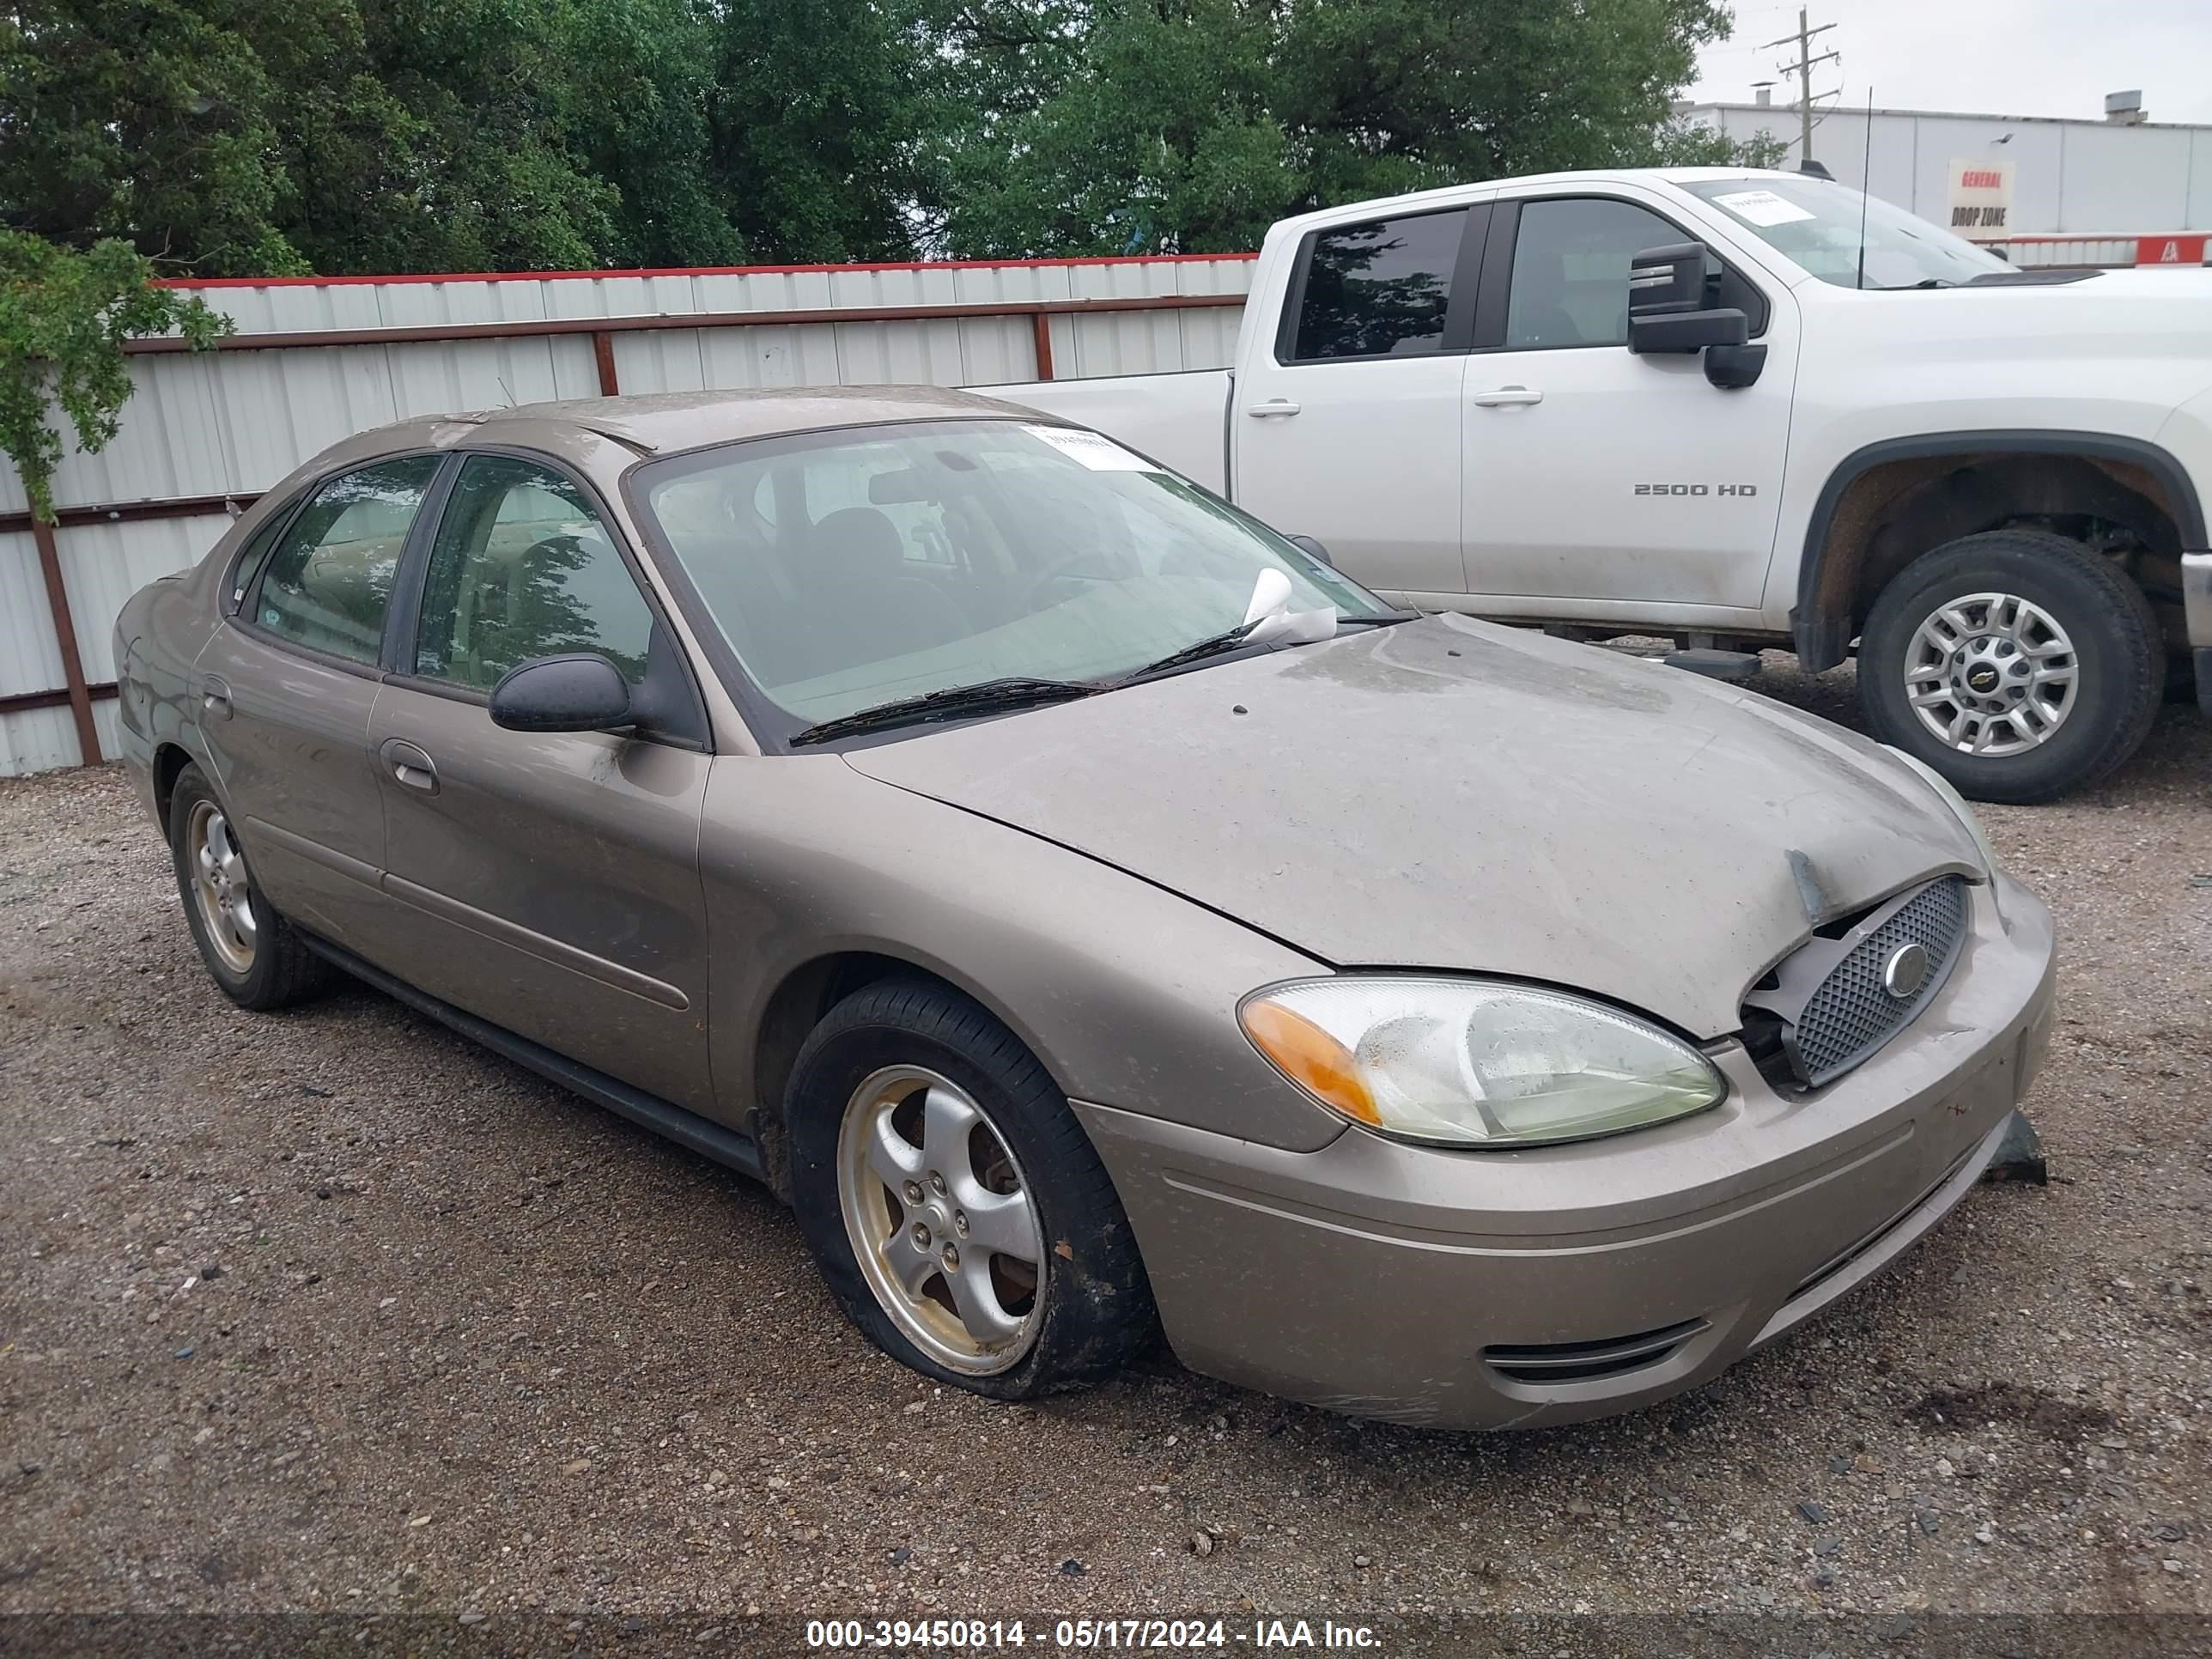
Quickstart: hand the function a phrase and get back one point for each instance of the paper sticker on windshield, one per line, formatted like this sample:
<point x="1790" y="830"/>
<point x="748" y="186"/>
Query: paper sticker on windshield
<point x="1099" y="454"/>
<point x="1762" y="207"/>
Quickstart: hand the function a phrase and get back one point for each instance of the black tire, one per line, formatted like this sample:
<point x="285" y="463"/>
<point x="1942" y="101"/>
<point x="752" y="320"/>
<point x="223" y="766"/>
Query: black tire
<point x="283" y="970"/>
<point x="1094" y="1302"/>
<point x="2116" y="644"/>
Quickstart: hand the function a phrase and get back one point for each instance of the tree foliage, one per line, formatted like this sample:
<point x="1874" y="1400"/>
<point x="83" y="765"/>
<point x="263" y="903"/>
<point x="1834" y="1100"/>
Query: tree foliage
<point x="64" y="318"/>
<point x="1192" y="125"/>
<point x="240" y="136"/>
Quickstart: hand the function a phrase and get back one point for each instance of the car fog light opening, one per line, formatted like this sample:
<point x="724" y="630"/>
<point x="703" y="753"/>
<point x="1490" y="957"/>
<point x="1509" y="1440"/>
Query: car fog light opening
<point x="1476" y="1063"/>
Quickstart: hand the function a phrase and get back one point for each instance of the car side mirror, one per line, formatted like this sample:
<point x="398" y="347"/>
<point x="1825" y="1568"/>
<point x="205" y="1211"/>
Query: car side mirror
<point x="1313" y="549"/>
<point x="1667" y="314"/>
<point x="575" y="693"/>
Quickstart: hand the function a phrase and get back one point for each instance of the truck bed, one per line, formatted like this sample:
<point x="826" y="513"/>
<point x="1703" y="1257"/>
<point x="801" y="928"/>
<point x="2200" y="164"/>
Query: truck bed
<point x="1180" y="419"/>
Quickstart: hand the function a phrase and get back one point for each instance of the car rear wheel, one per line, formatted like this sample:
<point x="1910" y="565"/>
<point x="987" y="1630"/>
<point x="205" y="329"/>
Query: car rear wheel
<point x="953" y="1203"/>
<point x="2019" y="664"/>
<point x="251" y="951"/>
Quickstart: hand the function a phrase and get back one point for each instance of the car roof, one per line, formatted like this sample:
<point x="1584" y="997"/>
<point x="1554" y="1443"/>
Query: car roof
<point x="665" y="423"/>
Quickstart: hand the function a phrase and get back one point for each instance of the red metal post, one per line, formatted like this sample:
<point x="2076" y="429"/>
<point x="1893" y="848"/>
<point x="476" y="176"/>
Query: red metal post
<point x="1041" y="324"/>
<point x="603" y="354"/>
<point x="80" y="696"/>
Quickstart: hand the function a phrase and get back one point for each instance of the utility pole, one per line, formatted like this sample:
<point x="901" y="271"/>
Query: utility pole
<point x="1803" y="69"/>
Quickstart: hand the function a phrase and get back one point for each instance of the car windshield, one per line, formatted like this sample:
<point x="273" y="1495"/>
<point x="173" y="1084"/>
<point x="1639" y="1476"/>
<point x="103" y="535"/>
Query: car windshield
<point x="851" y="568"/>
<point x="1817" y="224"/>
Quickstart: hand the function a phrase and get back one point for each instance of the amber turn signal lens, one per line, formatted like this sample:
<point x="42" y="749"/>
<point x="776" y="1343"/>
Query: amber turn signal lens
<point x="1311" y="1058"/>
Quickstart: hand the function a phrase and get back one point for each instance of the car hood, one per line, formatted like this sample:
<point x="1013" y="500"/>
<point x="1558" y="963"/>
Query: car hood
<point x="1450" y="795"/>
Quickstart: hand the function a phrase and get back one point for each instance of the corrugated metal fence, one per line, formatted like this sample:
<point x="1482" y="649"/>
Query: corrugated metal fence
<point x="315" y="360"/>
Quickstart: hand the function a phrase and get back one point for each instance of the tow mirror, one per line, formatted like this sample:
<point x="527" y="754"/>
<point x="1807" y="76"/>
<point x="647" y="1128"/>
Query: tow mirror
<point x="1667" y="314"/>
<point x="575" y="693"/>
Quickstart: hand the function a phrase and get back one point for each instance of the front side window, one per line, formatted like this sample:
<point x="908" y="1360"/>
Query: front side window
<point x="848" y="569"/>
<point x="1570" y="264"/>
<point x="522" y="568"/>
<point x="1379" y="289"/>
<point x="328" y="582"/>
<point x="1846" y="238"/>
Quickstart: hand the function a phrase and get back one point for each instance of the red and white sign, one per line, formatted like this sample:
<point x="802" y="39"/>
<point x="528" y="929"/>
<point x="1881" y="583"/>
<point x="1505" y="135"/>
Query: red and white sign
<point x="2170" y="250"/>
<point x="1981" y="196"/>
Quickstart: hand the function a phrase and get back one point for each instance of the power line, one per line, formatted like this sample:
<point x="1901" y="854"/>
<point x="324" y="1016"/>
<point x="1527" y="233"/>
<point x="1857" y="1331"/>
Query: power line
<point x="1803" y="69"/>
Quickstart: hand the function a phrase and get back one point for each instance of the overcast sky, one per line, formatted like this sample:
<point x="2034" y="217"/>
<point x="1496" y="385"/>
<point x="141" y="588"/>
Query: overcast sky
<point x="1983" y="57"/>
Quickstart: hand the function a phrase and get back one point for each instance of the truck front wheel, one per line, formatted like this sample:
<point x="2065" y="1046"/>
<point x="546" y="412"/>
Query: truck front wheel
<point x="2018" y="663"/>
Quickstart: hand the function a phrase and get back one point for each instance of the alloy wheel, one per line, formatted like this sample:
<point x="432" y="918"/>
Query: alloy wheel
<point x="1991" y="674"/>
<point x="940" y="1217"/>
<point x="221" y="887"/>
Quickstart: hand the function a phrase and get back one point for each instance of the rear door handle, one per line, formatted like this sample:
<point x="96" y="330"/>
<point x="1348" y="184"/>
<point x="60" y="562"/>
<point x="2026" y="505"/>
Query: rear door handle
<point x="1274" y="406"/>
<point x="412" y="765"/>
<point x="1507" y="397"/>
<point x="214" y="699"/>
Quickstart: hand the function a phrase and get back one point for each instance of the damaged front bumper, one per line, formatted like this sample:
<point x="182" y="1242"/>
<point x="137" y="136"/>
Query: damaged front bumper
<point x="1496" y="1290"/>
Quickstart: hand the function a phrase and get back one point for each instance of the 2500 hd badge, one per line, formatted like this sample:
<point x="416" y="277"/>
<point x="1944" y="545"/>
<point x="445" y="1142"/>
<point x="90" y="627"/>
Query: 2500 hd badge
<point x="1697" y="490"/>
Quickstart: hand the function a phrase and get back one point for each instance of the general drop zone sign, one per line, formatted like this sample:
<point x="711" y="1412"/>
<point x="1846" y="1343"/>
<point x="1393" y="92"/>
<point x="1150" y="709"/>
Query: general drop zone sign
<point x="1981" y="195"/>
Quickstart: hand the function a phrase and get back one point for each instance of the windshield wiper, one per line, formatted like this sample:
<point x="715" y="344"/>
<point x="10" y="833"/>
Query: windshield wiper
<point x="1925" y="282"/>
<point x="1197" y="651"/>
<point x="987" y="696"/>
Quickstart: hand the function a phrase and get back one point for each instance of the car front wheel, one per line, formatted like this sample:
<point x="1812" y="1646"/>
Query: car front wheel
<point x="2019" y="664"/>
<point x="952" y="1202"/>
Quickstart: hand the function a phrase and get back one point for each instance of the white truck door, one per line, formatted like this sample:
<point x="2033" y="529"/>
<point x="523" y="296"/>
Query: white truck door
<point x="1593" y="474"/>
<point x="1345" y="418"/>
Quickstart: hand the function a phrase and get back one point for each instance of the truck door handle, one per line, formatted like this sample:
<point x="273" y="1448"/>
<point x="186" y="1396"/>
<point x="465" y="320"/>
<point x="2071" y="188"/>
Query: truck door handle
<point x="1507" y="397"/>
<point x="410" y="765"/>
<point x="1274" y="406"/>
<point x="215" y="698"/>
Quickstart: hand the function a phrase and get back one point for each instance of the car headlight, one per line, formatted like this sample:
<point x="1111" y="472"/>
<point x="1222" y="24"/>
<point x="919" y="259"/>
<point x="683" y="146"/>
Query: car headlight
<point x="1476" y="1063"/>
<point x="1957" y="803"/>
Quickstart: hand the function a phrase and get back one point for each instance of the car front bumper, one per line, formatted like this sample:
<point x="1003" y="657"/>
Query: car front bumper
<point x="1500" y="1289"/>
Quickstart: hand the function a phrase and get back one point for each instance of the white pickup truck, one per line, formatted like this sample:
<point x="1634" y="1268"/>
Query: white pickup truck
<point x="1744" y="409"/>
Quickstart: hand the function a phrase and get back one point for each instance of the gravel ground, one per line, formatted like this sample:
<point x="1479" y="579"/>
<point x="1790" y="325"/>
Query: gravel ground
<point x="331" y="1310"/>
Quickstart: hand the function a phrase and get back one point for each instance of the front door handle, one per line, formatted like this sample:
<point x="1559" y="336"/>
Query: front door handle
<point x="1272" y="407"/>
<point x="410" y="765"/>
<point x="1507" y="397"/>
<point x="214" y="699"/>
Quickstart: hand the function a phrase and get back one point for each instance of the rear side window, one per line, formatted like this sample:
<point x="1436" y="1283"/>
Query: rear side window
<point x="249" y="562"/>
<point x="329" y="580"/>
<point x="1378" y="289"/>
<point x="523" y="568"/>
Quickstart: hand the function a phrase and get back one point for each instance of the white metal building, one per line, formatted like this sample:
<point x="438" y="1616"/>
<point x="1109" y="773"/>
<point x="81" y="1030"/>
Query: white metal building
<point x="2121" y="178"/>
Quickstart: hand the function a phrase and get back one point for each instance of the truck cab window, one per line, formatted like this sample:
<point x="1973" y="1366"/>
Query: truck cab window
<point x="1378" y="289"/>
<point x="1571" y="271"/>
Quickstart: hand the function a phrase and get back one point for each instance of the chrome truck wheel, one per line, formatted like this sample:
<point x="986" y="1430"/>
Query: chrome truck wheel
<point x="1991" y="674"/>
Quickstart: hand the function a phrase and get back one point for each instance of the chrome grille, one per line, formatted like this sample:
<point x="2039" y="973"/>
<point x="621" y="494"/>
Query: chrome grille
<point x="1830" y="997"/>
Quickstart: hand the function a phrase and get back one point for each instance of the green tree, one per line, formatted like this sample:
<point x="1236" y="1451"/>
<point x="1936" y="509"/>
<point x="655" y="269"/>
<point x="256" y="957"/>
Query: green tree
<point x="1191" y="124"/>
<point x="64" y="318"/>
<point x="817" y="115"/>
<point x="244" y="137"/>
<point x="435" y="135"/>
<point x="147" y="120"/>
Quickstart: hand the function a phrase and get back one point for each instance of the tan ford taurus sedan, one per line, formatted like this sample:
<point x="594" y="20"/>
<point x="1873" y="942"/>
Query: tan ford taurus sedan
<point x="1091" y="911"/>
